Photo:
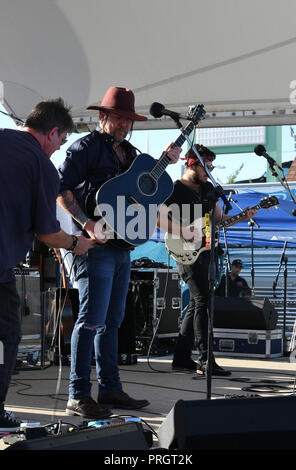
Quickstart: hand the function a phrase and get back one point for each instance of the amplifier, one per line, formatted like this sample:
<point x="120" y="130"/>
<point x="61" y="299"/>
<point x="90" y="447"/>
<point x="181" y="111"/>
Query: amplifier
<point x="60" y="314"/>
<point x="28" y="288"/>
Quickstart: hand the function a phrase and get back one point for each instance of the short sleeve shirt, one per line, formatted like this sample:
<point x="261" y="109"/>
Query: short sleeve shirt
<point x="29" y="186"/>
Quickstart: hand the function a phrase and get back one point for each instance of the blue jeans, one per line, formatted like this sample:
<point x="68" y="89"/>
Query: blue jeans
<point x="10" y="333"/>
<point x="103" y="276"/>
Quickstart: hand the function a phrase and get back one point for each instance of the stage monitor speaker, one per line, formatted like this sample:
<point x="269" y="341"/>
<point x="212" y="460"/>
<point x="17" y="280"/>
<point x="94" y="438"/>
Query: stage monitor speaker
<point x="244" y="313"/>
<point x="126" y="436"/>
<point x="231" y="424"/>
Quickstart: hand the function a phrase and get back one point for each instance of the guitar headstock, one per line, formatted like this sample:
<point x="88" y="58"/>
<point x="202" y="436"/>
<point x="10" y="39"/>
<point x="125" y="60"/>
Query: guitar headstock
<point x="196" y="113"/>
<point x="268" y="202"/>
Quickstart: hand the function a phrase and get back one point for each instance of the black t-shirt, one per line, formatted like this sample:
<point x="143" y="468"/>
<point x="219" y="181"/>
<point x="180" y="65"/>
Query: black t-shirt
<point x="237" y="287"/>
<point x="191" y="204"/>
<point x="190" y="201"/>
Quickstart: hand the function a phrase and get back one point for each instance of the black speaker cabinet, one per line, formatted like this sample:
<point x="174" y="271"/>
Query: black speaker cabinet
<point x="126" y="436"/>
<point x="159" y="304"/>
<point x="231" y="424"/>
<point x="244" y="313"/>
<point x="28" y="288"/>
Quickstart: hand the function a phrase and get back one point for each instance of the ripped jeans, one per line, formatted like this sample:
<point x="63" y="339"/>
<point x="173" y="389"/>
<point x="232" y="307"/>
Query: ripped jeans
<point x="103" y="276"/>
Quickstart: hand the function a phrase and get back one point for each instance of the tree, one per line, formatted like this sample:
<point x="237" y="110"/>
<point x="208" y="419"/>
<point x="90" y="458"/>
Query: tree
<point x="231" y="179"/>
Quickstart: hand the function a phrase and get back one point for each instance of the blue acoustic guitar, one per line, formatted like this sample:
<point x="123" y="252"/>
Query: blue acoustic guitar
<point x="129" y="203"/>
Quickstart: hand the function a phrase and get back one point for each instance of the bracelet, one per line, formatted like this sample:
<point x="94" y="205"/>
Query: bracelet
<point x="74" y="244"/>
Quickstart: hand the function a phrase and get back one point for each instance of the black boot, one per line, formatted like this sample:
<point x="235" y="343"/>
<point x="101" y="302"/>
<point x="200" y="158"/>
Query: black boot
<point x="182" y="356"/>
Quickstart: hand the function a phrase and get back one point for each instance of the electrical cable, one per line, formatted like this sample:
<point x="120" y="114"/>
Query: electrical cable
<point x="158" y="322"/>
<point x="58" y="328"/>
<point x="12" y="116"/>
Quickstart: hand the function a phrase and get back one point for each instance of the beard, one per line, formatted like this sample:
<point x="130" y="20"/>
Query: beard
<point x="119" y="135"/>
<point x="198" y="180"/>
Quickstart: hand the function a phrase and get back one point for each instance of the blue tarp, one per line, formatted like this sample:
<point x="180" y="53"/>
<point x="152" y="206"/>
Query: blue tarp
<point x="276" y="225"/>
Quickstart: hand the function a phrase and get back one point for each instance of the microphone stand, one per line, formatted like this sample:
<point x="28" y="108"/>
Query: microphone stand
<point x="279" y="269"/>
<point x="212" y="279"/>
<point x="285" y="260"/>
<point x="283" y="182"/>
<point x="251" y="225"/>
<point x="226" y="257"/>
<point x="227" y="264"/>
<point x="219" y="193"/>
<point x="285" y="306"/>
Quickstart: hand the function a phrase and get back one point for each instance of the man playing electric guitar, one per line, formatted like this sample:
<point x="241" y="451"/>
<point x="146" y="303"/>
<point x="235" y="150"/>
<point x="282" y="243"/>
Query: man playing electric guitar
<point x="103" y="276"/>
<point x="193" y="189"/>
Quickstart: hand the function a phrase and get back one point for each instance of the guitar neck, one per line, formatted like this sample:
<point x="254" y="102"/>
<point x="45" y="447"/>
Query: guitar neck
<point x="236" y="218"/>
<point x="164" y="160"/>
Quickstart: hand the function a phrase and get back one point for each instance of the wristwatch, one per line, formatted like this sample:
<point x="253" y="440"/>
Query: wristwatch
<point x="74" y="244"/>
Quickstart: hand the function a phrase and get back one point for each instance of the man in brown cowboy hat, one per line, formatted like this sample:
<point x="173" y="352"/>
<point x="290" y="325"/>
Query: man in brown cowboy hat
<point x="103" y="275"/>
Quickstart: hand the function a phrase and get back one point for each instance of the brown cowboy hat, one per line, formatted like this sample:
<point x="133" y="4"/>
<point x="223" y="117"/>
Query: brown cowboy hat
<point x="120" y="101"/>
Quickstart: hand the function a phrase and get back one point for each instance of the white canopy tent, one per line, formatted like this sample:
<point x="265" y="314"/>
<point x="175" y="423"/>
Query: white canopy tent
<point x="235" y="57"/>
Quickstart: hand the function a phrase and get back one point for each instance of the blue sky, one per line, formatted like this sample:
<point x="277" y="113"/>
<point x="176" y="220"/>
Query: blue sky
<point x="154" y="142"/>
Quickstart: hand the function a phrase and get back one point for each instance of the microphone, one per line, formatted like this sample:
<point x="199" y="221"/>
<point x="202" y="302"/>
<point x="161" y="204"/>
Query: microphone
<point x="260" y="150"/>
<point x="158" y="110"/>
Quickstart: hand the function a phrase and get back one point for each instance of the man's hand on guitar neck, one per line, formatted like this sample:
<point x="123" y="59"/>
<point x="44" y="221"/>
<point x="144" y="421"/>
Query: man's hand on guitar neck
<point x="249" y="211"/>
<point x="97" y="232"/>
<point x="173" y="153"/>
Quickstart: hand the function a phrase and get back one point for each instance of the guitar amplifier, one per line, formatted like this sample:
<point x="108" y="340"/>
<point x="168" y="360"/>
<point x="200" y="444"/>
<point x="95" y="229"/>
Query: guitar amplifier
<point x="28" y="288"/>
<point x="61" y="308"/>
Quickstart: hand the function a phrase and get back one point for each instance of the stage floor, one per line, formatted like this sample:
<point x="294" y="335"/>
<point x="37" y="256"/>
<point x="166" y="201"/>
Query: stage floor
<point x="40" y="394"/>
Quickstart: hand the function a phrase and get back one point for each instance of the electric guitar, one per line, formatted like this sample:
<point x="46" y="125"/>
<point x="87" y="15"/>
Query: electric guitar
<point x="129" y="203"/>
<point x="186" y="252"/>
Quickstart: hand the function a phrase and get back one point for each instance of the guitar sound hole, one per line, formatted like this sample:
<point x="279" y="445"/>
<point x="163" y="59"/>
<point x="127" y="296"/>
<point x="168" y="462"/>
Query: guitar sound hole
<point x="147" y="185"/>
